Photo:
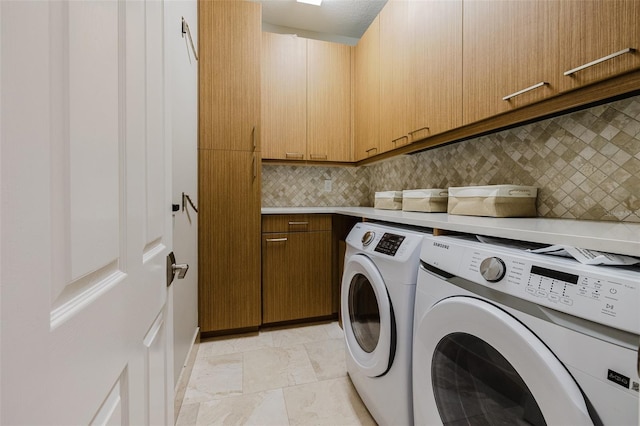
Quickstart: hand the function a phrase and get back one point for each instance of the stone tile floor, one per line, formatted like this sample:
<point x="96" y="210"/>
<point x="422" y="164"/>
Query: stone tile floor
<point x="286" y="376"/>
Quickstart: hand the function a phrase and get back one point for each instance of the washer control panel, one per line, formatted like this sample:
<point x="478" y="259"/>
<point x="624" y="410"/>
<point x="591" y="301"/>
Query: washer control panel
<point x="607" y="295"/>
<point x="389" y="244"/>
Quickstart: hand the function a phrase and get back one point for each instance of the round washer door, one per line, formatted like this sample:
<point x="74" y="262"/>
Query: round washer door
<point x="367" y="317"/>
<point x="474" y="363"/>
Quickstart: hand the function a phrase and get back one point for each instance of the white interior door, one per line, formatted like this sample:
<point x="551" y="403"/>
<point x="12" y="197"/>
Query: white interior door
<point x="85" y="214"/>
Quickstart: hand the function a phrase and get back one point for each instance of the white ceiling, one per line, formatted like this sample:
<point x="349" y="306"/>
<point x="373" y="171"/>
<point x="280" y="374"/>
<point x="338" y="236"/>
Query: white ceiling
<point x="342" y="21"/>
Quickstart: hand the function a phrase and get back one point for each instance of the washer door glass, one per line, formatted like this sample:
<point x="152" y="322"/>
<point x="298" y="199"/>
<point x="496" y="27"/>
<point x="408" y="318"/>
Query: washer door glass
<point x="367" y="317"/>
<point x="473" y="383"/>
<point x="364" y="314"/>
<point x="474" y="363"/>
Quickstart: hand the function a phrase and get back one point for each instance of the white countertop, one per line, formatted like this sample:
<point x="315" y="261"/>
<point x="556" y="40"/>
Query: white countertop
<point x="611" y="237"/>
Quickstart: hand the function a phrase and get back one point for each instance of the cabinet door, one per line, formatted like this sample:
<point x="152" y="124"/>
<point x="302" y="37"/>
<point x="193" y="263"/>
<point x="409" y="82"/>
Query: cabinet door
<point x="229" y="240"/>
<point x="328" y="101"/>
<point x="296" y="276"/>
<point x="284" y="100"/>
<point x="396" y="75"/>
<point x="598" y="29"/>
<point x="367" y="93"/>
<point x="438" y="66"/>
<point x="508" y="46"/>
<point x="229" y="74"/>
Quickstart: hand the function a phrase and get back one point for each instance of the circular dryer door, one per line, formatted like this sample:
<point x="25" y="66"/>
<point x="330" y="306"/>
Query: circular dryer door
<point x="476" y="364"/>
<point x="367" y="317"/>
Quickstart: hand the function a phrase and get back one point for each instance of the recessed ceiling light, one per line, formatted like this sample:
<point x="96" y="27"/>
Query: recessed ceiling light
<point x="313" y="2"/>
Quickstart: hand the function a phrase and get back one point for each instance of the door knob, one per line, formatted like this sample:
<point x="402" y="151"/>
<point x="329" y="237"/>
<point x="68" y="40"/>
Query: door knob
<point x="173" y="268"/>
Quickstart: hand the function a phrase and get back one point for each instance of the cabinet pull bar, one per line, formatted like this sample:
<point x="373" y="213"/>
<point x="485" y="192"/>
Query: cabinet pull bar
<point x="298" y="223"/>
<point x="255" y="167"/>
<point x="276" y="240"/>
<point x="293" y="155"/>
<point x="597" y="61"/>
<point x="253" y="138"/>
<point x="371" y="149"/>
<point x="318" y="156"/>
<point x="420" y="129"/>
<point x="528" y="89"/>
<point x="400" y="138"/>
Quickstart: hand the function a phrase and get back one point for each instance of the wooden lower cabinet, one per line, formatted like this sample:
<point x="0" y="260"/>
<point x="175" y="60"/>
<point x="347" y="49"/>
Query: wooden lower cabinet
<point x="296" y="273"/>
<point x="229" y="241"/>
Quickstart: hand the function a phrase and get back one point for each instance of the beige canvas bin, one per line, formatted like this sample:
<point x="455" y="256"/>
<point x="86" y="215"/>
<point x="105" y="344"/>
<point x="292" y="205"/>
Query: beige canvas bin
<point x="388" y="200"/>
<point x="493" y="200"/>
<point x="432" y="200"/>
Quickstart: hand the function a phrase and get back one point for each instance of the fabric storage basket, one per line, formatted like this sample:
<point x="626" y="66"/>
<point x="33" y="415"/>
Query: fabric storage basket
<point x="388" y="200"/>
<point x="425" y="200"/>
<point x="493" y="200"/>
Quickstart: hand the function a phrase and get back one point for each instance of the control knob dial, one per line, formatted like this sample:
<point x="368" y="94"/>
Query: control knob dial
<point x="367" y="238"/>
<point x="493" y="269"/>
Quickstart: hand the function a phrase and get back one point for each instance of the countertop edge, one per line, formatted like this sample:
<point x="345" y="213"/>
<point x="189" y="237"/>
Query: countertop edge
<point x="610" y="237"/>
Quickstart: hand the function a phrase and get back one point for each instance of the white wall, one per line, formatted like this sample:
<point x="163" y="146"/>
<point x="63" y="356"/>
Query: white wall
<point x="183" y="99"/>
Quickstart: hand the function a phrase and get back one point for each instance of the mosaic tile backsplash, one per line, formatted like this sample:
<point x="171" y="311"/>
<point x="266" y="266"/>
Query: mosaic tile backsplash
<point x="586" y="165"/>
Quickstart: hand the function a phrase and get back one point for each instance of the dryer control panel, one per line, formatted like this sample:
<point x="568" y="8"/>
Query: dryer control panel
<point x="603" y="294"/>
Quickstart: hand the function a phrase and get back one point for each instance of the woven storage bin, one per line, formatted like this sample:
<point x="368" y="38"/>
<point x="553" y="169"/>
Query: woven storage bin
<point x="493" y="200"/>
<point x="432" y="200"/>
<point x="388" y="200"/>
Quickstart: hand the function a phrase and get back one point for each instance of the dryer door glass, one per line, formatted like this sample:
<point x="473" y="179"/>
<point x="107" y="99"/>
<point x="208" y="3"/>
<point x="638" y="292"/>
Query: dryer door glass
<point x="474" y="384"/>
<point x="364" y="313"/>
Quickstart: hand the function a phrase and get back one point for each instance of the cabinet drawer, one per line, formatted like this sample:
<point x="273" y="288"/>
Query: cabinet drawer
<point x="296" y="222"/>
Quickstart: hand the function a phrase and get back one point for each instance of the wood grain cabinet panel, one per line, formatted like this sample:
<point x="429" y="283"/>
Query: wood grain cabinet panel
<point x="396" y="75"/>
<point x="437" y="84"/>
<point x="229" y="37"/>
<point x="296" y="276"/>
<point x="598" y="29"/>
<point x="328" y="101"/>
<point x="229" y="291"/>
<point x="508" y="46"/>
<point x="229" y="240"/>
<point x="284" y="96"/>
<point x="366" y="81"/>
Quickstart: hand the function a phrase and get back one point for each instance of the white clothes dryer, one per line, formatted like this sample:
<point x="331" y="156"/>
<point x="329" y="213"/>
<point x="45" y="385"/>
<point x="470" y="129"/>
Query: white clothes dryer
<point x="377" y="300"/>
<point x="504" y="336"/>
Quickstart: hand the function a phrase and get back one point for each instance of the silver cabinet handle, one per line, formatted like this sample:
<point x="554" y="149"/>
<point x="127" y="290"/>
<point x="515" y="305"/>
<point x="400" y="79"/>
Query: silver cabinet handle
<point x="371" y="149"/>
<point x="298" y="223"/>
<point x="418" y="130"/>
<point x="293" y="155"/>
<point x="276" y="240"/>
<point x="400" y="138"/>
<point x="255" y="167"/>
<point x="597" y="61"/>
<point x="318" y="156"/>
<point x="528" y="89"/>
<point x="253" y="138"/>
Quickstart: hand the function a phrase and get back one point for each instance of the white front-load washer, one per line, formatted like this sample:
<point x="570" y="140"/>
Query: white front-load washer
<point x="377" y="300"/>
<point x="504" y="336"/>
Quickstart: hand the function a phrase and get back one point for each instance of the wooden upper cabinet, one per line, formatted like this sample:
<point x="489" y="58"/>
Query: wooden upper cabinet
<point x="396" y="75"/>
<point x="366" y="114"/>
<point x="328" y="101"/>
<point x="509" y="51"/>
<point x="229" y="75"/>
<point x="437" y="84"/>
<point x="284" y="96"/>
<point x="597" y="29"/>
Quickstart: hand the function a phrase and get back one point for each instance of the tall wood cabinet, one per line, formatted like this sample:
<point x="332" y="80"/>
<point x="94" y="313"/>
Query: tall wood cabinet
<point x="229" y="165"/>
<point x="366" y="80"/>
<point x="437" y="64"/>
<point x="306" y="99"/>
